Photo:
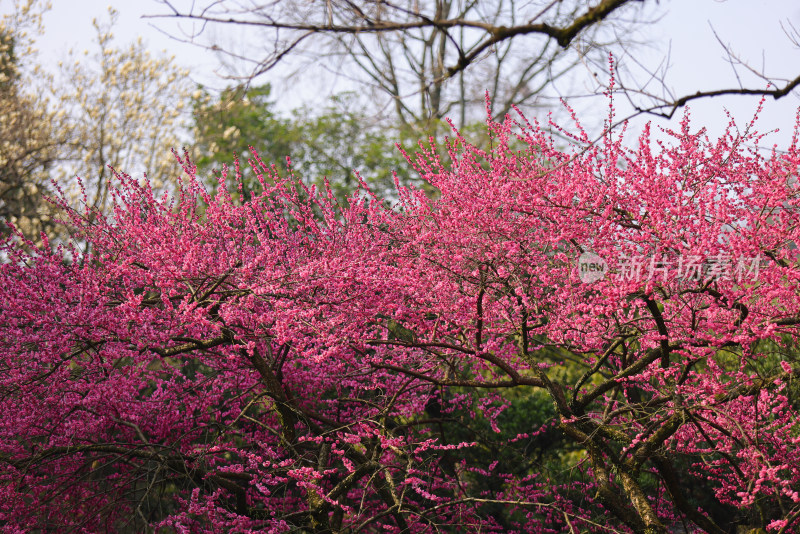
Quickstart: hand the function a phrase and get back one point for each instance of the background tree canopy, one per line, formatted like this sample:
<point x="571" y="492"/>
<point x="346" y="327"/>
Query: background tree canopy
<point x="334" y="142"/>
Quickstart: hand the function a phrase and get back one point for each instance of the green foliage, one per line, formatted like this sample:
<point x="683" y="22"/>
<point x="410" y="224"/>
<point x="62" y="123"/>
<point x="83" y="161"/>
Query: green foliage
<point x="331" y="143"/>
<point x="232" y="121"/>
<point x="342" y="139"/>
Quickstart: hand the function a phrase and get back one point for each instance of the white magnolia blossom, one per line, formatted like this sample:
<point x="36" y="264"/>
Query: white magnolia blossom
<point x="119" y="107"/>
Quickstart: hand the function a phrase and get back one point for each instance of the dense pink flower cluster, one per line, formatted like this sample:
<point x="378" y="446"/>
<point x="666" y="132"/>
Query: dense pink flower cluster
<point x="207" y="363"/>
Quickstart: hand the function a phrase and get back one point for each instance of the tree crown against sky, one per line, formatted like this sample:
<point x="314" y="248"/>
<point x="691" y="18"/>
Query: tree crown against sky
<point x="423" y="62"/>
<point x="89" y="159"/>
<point x="284" y="362"/>
<point x="435" y="59"/>
<point x="30" y="133"/>
<point x="112" y="106"/>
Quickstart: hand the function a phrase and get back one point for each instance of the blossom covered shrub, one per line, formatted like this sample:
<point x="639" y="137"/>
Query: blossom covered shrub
<point x="209" y="363"/>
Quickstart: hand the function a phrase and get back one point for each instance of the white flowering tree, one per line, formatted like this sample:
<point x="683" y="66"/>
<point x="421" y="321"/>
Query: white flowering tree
<point x="31" y="133"/>
<point x="127" y="107"/>
<point x="119" y="106"/>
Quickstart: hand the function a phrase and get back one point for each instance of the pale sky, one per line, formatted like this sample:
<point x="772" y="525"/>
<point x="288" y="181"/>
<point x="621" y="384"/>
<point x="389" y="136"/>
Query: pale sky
<point x="752" y="28"/>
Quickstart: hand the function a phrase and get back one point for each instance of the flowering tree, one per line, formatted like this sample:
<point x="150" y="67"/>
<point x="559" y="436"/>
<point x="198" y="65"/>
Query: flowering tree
<point x="126" y="107"/>
<point x="120" y="106"/>
<point x="30" y="134"/>
<point x="279" y="362"/>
